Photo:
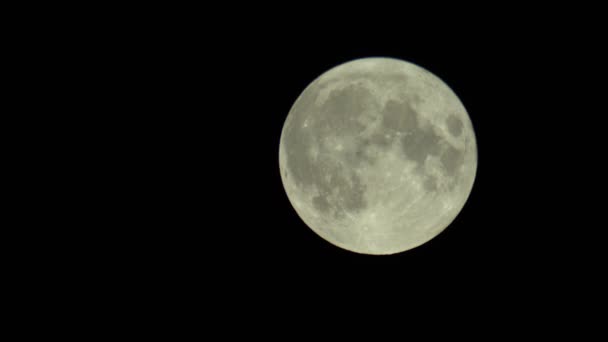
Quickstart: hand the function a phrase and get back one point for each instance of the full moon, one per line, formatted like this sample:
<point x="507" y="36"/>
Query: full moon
<point x="378" y="156"/>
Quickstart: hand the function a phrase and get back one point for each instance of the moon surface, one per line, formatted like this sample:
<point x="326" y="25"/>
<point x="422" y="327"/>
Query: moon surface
<point x="378" y="156"/>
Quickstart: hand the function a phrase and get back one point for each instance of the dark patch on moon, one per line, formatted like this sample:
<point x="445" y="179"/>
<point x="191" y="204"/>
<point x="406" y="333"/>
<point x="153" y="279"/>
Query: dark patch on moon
<point x="380" y="139"/>
<point x="418" y="144"/>
<point x="334" y="118"/>
<point x="325" y="173"/>
<point x="339" y="113"/>
<point x="454" y="126"/>
<point x="320" y="203"/>
<point x="399" y="116"/>
<point x="362" y="153"/>
<point x="452" y="159"/>
<point x="348" y="189"/>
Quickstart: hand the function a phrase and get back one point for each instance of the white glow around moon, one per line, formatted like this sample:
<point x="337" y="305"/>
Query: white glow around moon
<point x="378" y="156"/>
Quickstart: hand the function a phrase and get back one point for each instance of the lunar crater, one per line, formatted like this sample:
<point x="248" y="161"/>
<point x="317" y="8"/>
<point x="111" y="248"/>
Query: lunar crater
<point x="454" y="126"/>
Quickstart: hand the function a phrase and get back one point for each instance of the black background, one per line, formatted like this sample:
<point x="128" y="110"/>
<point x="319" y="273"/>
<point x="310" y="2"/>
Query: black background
<point x="186" y="110"/>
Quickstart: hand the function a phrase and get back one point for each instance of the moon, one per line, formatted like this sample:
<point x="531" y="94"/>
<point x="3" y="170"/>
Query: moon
<point x="378" y="156"/>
